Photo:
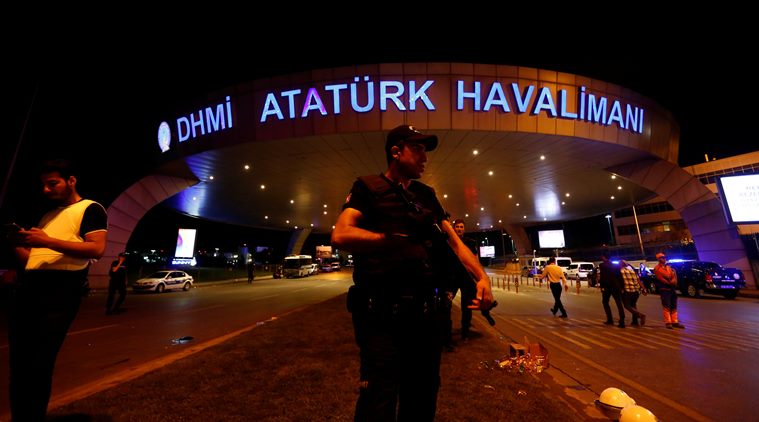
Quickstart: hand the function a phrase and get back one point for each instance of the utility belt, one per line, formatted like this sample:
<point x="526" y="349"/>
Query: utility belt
<point x="401" y="305"/>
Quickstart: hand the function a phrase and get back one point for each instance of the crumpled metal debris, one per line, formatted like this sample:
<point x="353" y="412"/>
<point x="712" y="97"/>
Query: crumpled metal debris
<point x="182" y="340"/>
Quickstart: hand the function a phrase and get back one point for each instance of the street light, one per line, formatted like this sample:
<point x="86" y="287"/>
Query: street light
<point x="611" y="231"/>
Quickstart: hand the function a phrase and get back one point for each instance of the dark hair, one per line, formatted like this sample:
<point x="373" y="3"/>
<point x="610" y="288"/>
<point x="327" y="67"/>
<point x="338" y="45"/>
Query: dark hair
<point x="457" y="221"/>
<point x="58" y="165"/>
<point x="551" y="260"/>
<point x="605" y="254"/>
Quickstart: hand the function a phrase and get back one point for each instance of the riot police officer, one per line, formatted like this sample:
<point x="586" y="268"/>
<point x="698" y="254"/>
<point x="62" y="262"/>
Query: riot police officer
<point x="394" y="226"/>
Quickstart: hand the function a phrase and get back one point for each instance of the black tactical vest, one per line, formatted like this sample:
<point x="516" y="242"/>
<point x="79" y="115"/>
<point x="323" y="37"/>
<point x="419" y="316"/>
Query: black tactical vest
<point x="395" y="210"/>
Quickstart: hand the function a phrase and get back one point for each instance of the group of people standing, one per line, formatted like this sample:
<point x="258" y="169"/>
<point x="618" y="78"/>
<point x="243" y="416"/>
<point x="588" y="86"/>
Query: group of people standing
<point x="622" y="283"/>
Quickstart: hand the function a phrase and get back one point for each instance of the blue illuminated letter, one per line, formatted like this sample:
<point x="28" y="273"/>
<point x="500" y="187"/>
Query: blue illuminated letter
<point x="414" y="95"/>
<point x="596" y="113"/>
<point x="563" y="106"/>
<point x="393" y="96"/>
<point x="497" y="90"/>
<point x="544" y="102"/>
<point x="318" y="105"/>
<point x="336" y="95"/>
<point x="271" y="107"/>
<point x="522" y="100"/>
<point x="461" y="95"/>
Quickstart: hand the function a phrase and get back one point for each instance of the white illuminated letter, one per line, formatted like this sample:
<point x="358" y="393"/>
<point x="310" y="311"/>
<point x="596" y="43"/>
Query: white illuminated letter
<point x="616" y="115"/>
<point x="414" y="95"/>
<point x="271" y="107"/>
<point x="522" y="100"/>
<point x="183" y="129"/>
<point x="393" y="96"/>
<point x="318" y="105"/>
<point x="582" y="102"/>
<point x="461" y="95"/>
<point x="544" y="102"/>
<point x="229" y="112"/>
<point x="291" y="100"/>
<point x="195" y="123"/>
<point x="369" y="95"/>
<point x="336" y="95"/>
<point x="563" y="107"/>
<point x="596" y="113"/>
<point x="215" y="121"/>
<point x="497" y="90"/>
<point x="631" y="121"/>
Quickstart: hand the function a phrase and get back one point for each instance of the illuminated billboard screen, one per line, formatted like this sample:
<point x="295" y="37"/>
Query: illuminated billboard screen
<point x="487" y="251"/>
<point x="551" y="238"/>
<point x="740" y="198"/>
<point x="185" y="243"/>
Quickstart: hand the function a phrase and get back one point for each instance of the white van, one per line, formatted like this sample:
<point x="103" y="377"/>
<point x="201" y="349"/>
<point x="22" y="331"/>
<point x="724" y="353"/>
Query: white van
<point x="538" y="262"/>
<point x="579" y="270"/>
<point x="564" y="262"/>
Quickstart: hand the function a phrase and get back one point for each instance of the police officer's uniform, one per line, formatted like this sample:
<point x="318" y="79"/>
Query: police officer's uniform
<point x="395" y="302"/>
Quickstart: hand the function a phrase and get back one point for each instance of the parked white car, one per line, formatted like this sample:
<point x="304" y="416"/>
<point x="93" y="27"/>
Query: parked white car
<point x="163" y="280"/>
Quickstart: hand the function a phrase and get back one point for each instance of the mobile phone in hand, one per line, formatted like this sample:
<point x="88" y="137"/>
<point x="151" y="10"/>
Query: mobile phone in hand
<point x="9" y="228"/>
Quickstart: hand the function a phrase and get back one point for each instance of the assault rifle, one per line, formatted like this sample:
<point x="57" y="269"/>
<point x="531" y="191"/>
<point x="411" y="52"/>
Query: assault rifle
<point x="435" y="241"/>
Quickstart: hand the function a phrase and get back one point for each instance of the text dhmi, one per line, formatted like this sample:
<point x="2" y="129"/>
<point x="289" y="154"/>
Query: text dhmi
<point x="207" y="120"/>
<point x="530" y="99"/>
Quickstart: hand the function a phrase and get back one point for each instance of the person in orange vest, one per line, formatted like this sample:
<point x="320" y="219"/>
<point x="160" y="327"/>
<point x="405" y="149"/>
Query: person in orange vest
<point x="666" y="285"/>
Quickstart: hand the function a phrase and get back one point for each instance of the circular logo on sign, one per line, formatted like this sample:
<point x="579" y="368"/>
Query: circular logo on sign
<point x="164" y="136"/>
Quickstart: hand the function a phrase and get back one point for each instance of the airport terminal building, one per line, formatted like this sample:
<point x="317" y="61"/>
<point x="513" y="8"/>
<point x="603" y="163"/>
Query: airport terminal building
<point x="519" y="146"/>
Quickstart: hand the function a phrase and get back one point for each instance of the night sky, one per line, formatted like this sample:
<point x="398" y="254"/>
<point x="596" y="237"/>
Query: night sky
<point x="83" y="106"/>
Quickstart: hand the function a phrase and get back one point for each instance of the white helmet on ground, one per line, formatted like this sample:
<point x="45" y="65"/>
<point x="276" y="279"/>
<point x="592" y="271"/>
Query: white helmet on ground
<point x="616" y="397"/>
<point x="612" y="400"/>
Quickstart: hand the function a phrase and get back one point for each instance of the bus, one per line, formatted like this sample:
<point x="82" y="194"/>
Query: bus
<point x="297" y="266"/>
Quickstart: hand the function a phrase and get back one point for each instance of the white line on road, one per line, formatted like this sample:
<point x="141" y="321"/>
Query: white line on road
<point x="264" y="297"/>
<point x="129" y="374"/>
<point x="590" y="340"/>
<point x="565" y="338"/>
<point x="73" y="333"/>
<point x="88" y="330"/>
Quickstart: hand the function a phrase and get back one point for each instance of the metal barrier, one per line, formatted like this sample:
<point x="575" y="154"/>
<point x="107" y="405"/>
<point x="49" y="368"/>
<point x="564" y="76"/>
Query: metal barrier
<point x="504" y="282"/>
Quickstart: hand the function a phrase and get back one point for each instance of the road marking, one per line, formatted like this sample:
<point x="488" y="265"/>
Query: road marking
<point x="535" y="322"/>
<point x="590" y="340"/>
<point x="666" y="340"/>
<point x="129" y="374"/>
<point x="88" y="330"/>
<point x="643" y="389"/>
<point x="735" y="340"/>
<point x="584" y="346"/>
<point x="685" y="337"/>
<point x="637" y="343"/>
<point x="201" y="309"/>
<point x="264" y="297"/>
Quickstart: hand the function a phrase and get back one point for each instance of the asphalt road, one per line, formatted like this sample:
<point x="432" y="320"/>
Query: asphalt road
<point x="704" y="372"/>
<point x="99" y="346"/>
